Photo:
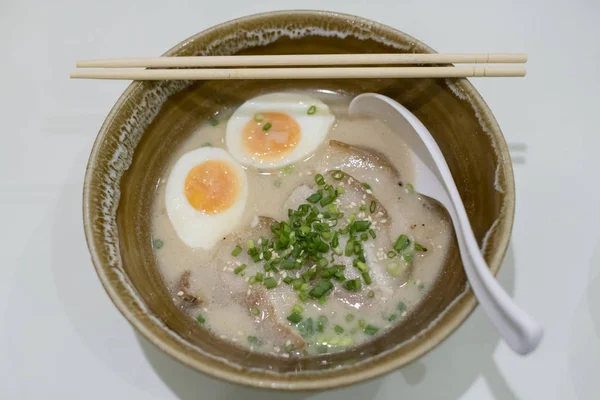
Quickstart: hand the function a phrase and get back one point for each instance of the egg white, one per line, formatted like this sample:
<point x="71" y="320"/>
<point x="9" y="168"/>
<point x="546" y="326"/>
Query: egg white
<point x="193" y="227"/>
<point x="313" y="128"/>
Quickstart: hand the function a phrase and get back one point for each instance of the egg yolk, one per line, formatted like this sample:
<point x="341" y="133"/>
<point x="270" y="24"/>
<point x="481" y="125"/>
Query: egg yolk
<point x="211" y="187"/>
<point x="273" y="137"/>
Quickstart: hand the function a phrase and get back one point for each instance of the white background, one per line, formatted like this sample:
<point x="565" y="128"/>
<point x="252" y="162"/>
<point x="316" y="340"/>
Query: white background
<point x="61" y="337"/>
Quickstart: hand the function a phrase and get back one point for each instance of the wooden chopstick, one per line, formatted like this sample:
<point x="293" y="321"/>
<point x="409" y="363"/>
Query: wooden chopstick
<point x="304" y="59"/>
<point x="299" y="73"/>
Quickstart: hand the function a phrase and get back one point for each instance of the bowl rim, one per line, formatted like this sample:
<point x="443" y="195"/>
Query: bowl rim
<point x="449" y="321"/>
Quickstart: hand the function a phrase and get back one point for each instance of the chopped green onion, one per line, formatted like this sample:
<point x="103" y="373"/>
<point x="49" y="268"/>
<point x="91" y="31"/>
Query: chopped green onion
<point x="401" y="243"/>
<point x="419" y="247"/>
<point x="322" y="299"/>
<point x="258" y="117"/>
<point x="157" y="244"/>
<point x="327" y="200"/>
<point x="319" y="180"/>
<point x="259" y="277"/>
<point x="338" y="329"/>
<point x="297" y="309"/>
<point x="410" y="188"/>
<point x="213" y="121"/>
<point x="371" y="294"/>
<point x="288" y="279"/>
<point x="371" y="330"/>
<point x="349" y="317"/>
<point x="366" y="185"/>
<point x="351" y="217"/>
<point x="255" y="311"/>
<point x="311" y="110"/>
<point x="362" y="323"/>
<point x="294" y="317"/>
<point x="372" y="233"/>
<point x="362" y="266"/>
<point x="392" y="317"/>
<point x="253" y="340"/>
<point x="297" y="284"/>
<point x="250" y="244"/>
<point x="270" y="283"/>
<point x="321" y="323"/>
<point x="252" y="280"/>
<point x="267" y="126"/>
<point x="352" y="285"/>
<point x="367" y="278"/>
<point x="340" y="190"/>
<point x="236" y="251"/>
<point x="337" y="175"/>
<point x="364" y="237"/>
<point x="360" y="226"/>
<point x="200" y="319"/>
<point x="239" y="269"/>
<point x="391" y="254"/>
<point x="321" y="289"/>
<point x="349" y="248"/>
<point x="401" y="307"/>
<point x="372" y="206"/>
<point x="315" y="197"/>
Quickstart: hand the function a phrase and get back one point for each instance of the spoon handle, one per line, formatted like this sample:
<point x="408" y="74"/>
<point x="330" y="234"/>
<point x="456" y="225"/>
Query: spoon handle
<point x="521" y="332"/>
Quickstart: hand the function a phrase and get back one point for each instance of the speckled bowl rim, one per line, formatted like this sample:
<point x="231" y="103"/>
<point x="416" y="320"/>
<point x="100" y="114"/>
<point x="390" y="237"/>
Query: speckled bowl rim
<point x="448" y="321"/>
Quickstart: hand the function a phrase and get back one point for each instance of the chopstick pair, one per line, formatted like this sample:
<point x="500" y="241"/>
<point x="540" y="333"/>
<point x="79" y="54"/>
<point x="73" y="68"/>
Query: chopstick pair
<point x="294" y="67"/>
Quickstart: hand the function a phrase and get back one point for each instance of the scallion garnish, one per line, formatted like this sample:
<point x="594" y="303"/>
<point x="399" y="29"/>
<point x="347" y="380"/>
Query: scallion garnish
<point x="338" y="329"/>
<point x="294" y="317"/>
<point x="200" y="319"/>
<point x="372" y="206"/>
<point x="239" y="269"/>
<point x="253" y="340"/>
<point x="311" y="110"/>
<point x="337" y="175"/>
<point x="258" y="117"/>
<point x="267" y="126"/>
<point x="319" y="179"/>
<point x="419" y="247"/>
<point x="236" y="251"/>
<point x="371" y="330"/>
<point x="352" y="285"/>
<point x="254" y="311"/>
<point x="315" y="197"/>
<point x="270" y="283"/>
<point x="401" y="243"/>
<point x="321" y="289"/>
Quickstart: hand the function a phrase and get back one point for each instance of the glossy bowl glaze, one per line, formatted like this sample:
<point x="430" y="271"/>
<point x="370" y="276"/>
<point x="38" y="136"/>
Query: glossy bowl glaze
<point x="152" y="118"/>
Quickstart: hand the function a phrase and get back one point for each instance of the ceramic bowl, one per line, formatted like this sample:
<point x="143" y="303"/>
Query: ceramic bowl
<point x="152" y="118"/>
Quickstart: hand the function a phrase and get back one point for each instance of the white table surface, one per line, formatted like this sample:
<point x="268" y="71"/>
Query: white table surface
<point x="61" y="337"/>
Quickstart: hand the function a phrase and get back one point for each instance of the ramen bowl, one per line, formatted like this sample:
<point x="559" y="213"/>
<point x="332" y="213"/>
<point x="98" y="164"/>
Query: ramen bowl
<point x="152" y="118"/>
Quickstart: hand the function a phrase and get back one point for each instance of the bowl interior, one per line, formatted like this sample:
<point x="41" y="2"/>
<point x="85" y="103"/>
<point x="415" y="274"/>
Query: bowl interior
<point x="153" y="118"/>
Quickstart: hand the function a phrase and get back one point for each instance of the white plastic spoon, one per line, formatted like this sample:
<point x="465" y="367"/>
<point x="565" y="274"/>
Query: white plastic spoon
<point x="434" y="180"/>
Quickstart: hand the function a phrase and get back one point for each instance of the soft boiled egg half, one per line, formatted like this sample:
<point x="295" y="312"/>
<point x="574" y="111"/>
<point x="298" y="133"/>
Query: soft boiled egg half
<point x="205" y="196"/>
<point x="277" y="129"/>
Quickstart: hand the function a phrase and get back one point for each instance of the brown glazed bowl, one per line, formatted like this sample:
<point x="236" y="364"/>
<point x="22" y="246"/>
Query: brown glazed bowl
<point x="152" y="118"/>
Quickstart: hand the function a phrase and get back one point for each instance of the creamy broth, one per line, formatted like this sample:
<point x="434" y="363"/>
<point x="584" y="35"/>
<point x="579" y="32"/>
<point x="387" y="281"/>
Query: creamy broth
<point x="204" y="283"/>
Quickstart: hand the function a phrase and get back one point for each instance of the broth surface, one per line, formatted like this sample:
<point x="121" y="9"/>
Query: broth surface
<point x="203" y="282"/>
